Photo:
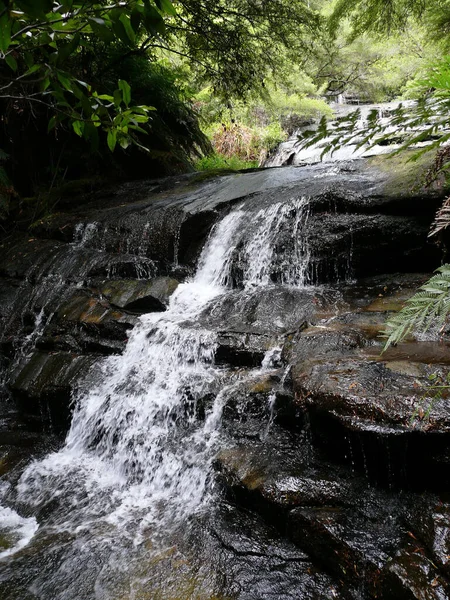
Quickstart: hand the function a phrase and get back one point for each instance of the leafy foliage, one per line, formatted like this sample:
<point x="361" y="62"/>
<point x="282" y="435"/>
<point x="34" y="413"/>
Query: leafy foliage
<point x="234" y="45"/>
<point x="442" y="220"/>
<point x="438" y="385"/>
<point x="65" y="64"/>
<point x="246" y="147"/>
<point x="428" y="308"/>
<point x="42" y="46"/>
<point x="379" y="16"/>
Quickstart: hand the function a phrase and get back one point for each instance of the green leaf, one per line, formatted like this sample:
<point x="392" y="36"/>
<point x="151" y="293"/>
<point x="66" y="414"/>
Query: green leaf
<point x="78" y="127"/>
<point x="121" y="32"/>
<point x="118" y="97"/>
<point x="126" y="91"/>
<point x="77" y="91"/>
<point x="124" y="142"/>
<point x="137" y="128"/>
<point x="35" y="8"/>
<point x="125" y="20"/>
<point x="136" y="17"/>
<point x="140" y="119"/>
<point x="86" y="105"/>
<point x="51" y="124"/>
<point x="65" y="81"/>
<point x="166" y="7"/>
<point x="5" y="32"/>
<point x="29" y="61"/>
<point x="45" y="84"/>
<point x="100" y="29"/>
<point x="68" y="49"/>
<point x="106" y="97"/>
<point x="11" y="62"/>
<point x="32" y="70"/>
<point x="153" y="21"/>
<point x="112" y="139"/>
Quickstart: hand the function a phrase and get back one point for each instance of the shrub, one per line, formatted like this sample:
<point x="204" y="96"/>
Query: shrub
<point x="217" y="162"/>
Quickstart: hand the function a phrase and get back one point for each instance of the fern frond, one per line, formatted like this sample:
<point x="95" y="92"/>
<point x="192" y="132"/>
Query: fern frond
<point x="442" y="219"/>
<point x="429" y="307"/>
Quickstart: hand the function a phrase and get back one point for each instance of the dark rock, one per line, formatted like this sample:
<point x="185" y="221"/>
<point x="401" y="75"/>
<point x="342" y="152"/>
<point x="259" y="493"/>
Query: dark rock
<point x="139" y="296"/>
<point x="411" y="575"/>
<point x="86" y="323"/>
<point x="264" y="397"/>
<point x="344" y="246"/>
<point x="122" y="265"/>
<point x="368" y="541"/>
<point x="430" y="522"/>
<point x="44" y="386"/>
<point x="370" y="393"/>
<point x="352" y="531"/>
<point x="264" y="311"/>
<point x="192" y="234"/>
<point x="256" y="563"/>
<point x="251" y="322"/>
<point x="320" y="341"/>
<point x="25" y="255"/>
<point x="241" y="349"/>
<point x="283" y="481"/>
<point x="89" y="309"/>
<point x="370" y="410"/>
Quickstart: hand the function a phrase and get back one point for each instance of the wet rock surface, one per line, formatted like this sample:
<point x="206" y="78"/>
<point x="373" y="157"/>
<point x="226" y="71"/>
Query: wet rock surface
<point x="44" y="386"/>
<point x="335" y="464"/>
<point x="364" y="536"/>
<point x="257" y="562"/>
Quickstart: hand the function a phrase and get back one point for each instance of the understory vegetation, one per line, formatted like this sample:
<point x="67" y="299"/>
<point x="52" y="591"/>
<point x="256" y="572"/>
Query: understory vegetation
<point x="101" y="90"/>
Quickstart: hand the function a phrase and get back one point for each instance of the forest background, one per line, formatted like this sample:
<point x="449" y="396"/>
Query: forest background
<point x="94" y="92"/>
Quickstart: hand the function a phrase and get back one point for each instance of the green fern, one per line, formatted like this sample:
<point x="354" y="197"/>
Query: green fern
<point x="429" y="307"/>
<point x="442" y="219"/>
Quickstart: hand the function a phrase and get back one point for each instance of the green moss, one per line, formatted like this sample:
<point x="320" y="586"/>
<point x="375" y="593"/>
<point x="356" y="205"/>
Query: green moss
<point x="406" y="172"/>
<point x="5" y="543"/>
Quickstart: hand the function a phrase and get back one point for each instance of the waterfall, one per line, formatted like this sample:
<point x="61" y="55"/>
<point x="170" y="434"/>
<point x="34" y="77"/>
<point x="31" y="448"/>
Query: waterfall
<point x="137" y="454"/>
<point x="290" y="152"/>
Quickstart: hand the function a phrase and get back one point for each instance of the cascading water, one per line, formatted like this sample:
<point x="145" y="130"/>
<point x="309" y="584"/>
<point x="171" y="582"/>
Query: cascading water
<point x="137" y="456"/>
<point x="290" y="153"/>
<point x="260" y="251"/>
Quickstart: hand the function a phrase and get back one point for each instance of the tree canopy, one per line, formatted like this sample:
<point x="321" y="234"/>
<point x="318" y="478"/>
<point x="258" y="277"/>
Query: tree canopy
<point x="48" y="50"/>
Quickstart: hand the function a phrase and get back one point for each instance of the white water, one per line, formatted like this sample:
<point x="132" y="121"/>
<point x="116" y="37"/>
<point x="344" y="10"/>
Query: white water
<point x="16" y="530"/>
<point x="137" y="455"/>
<point x="291" y="151"/>
<point x="261" y="250"/>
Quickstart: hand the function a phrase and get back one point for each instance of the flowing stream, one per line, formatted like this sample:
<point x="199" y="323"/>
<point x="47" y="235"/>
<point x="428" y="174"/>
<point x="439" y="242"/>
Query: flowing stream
<point x="138" y="458"/>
